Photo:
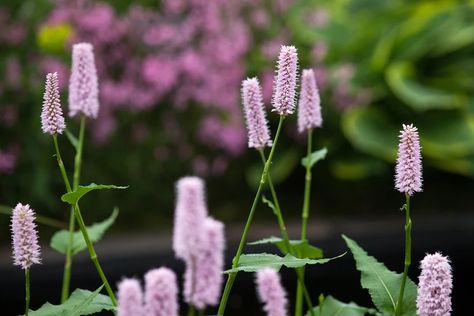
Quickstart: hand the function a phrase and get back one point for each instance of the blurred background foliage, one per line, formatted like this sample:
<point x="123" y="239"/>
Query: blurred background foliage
<point x="170" y="74"/>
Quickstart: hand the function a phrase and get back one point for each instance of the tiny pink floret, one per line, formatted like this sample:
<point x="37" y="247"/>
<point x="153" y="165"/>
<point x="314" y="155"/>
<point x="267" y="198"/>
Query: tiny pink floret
<point x="408" y="171"/>
<point x="26" y="250"/>
<point x="284" y="90"/>
<point x="257" y="125"/>
<point x="130" y="298"/>
<point x="161" y="293"/>
<point x="309" y="106"/>
<point x="271" y="293"/>
<point x="52" y="119"/>
<point x="435" y="286"/>
<point x="83" y="83"/>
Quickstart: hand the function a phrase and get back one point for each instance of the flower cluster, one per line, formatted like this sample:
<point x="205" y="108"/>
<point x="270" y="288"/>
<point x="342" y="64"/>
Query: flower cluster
<point x="271" y="292"/>
<point x="408" y="172"/>
<point x="52" y="119"/>
<point x="309" y="106"/>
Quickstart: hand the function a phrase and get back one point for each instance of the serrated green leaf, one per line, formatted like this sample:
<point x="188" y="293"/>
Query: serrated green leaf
<point x="255" y="262"/>
<point x="81" y="302"/>
<point x="334" y="307"/>
<point x="60" y="239"/>
<point x="315" y="157"/>
<point x="72" y="139"/>
<point x="269" y="203"/>
<point x="74" y="196"/>
<point x="301" y="248"/>
<point x="383" y="285"/>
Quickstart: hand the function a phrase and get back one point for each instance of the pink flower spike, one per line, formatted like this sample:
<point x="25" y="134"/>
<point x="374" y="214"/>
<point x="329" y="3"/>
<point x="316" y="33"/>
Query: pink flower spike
<point x="408" y="171"/>
<point x="257" y="125"/>
<point x="284" y="89"/>
<point x="309" y="107"/>
<point x="130" y="298"/>
<point x="271" y="292"/>
<point x="190" y="213"/>
<point x="83" y="83"/>
<point x="26" y="250"/>
<point x="161" y="293"/>
<point x="52" y="120"/>
<point x="434" y="286"/>
<point x="203" y="278"/>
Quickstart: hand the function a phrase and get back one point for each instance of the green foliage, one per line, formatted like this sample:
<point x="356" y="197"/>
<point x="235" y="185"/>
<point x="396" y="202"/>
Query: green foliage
<point x="255" y="262"/>
<point x="81" y="302"/>
<point x="334" y="307"/>
<point x="315" y="157"/>
<point x="74" y="196"/>
<point x="300" y="248"/>
<point x="60" y="239"/>
<point x="383" y="284"/>
<point x="53" y="38"/>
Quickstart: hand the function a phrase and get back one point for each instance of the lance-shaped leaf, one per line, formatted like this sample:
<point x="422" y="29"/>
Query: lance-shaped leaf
<point x="255" y="262"/>
<point x="301" y="248"/>
<point x="74" y="196"/>
<point x="81" y="302"/>
<point x="72" y="139"/>
<point x="383" y="284"/>
<point x="315" y="157"/>
<point x="60" y="239"/>
<point x="334" y="307"/>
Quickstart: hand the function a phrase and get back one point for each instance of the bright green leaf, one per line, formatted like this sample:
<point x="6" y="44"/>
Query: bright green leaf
<point x="334" y="307"/>
<point x="315" y="157"/>
<point x="73" y="197"/>
<point x="383" y="285"/>
<point x="60" y="240"/>
<point x="301" y="248"/>
<point x="81" y="302"/>
<point x="255" y="262"/>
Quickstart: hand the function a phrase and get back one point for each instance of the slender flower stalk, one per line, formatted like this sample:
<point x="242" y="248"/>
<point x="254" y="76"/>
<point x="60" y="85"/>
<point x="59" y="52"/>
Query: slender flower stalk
<point x="309" y="117"/>
<point x="271" y="292"/>
<point x="26" y="250"/>
<point x="130" y="298"/>
<point x="435" y="286"/>
<point x="161" y="293"/>
<point x="408" y="179"/>
<point x="83" y="84"/>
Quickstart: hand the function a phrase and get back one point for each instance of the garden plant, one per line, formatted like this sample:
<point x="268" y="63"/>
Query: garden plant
<point x="199" y="239"/>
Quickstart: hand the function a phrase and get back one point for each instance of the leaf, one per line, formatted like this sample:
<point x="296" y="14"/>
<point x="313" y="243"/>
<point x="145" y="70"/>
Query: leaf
<point x="383" y="284"/>
<point x="81" y="302"/>
<point x="74" y="196"/>
<point x="401" y="78"/>
<point x="301" y="249"/>
<point x="315" y="157"/>
<point x="72" y="139"/>
<point x="60" y="239"/>
<point x="255" y="262"/>
<point x="334" y="307"/>
<point x="269" y="203"/>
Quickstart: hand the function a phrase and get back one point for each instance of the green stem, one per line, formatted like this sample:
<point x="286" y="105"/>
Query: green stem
<point x="61" y="164"/>
<point x="27" y="291"/>
<point x="76" y="179"/>
<point x="191" y="310"/>
<point x="85" y="234"/>
<point x="304" y="222"/>
<point x="408" y="225"/>
<point x="243" y="239"/>
<point x="93" y="254"/>
<point x="285" y="236"/>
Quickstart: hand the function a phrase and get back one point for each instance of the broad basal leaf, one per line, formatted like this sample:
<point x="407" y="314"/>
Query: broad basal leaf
<point x="73" y="197"/>
<point x="255" y="262"/>
<point x="301" y="249"/>
<point x="383" y="284"/>
<point x="315" y="157"/>
<point x="81" y="302"/>
<point x="60" y="240"/>
<point x="333" y="307"/>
